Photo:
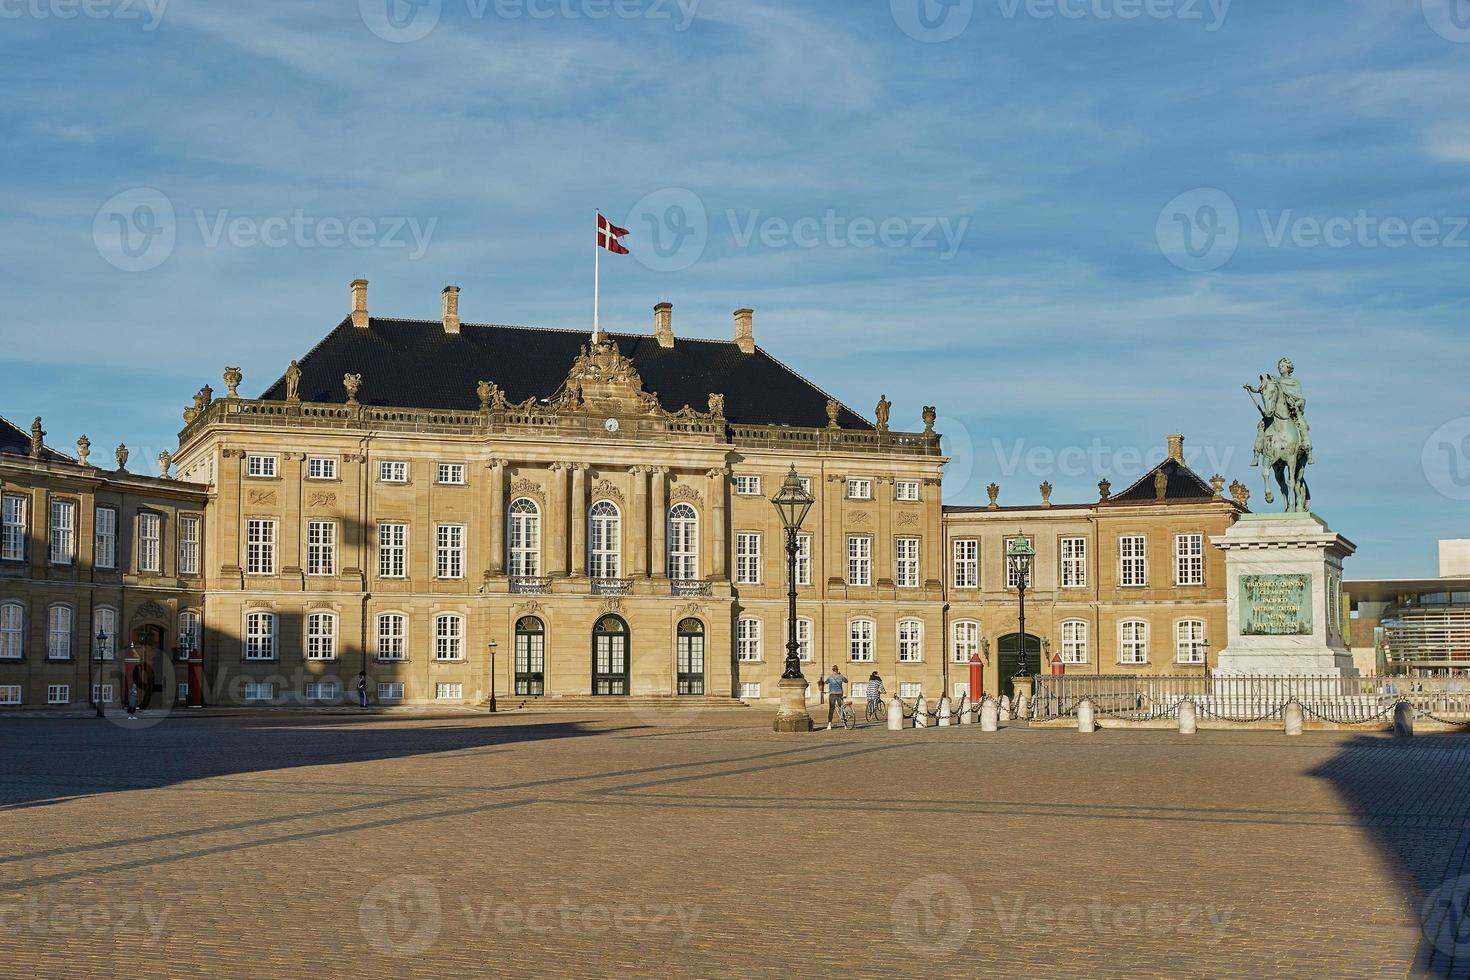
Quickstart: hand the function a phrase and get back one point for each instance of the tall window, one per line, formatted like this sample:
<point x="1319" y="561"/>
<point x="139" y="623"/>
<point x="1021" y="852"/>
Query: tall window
<point x="191" y="635"/>
<point x="683" y="543"/>
<point x="967" y="564"/>
<point x="321" y="548"/>
<point x="449" y="551"/>
<point x="13" y="528"/>
<point x="689" y="653"/>
<point x="448" y="637"/>
<point x="966" y="640"/>
<point x="530" y="657"/>
<point x="1132" y="552"/>
<point x="104" y="624"/>
<point x="803" y="559"/>
<point x="604" y="540"/>
<point x="1133" y="641"/>
<point x="189" y="545"/>
<point x="803" y="639"/>
<point x="260" y="636"/>
<point x="524" y="538"/>
<point x="321" y="636"/>
<point x="392" y="636"/>
<point x="392" y="550"/>
<point x="58" y="632"/>
<point x="910" y="641"/>
<point x="1074" y="563"/>
<point x="860" y="641"/>
<point x="748" y="639"/>
<point x="1012" y="578"/>
<point x="1189" y="559"/>
<point x="150" y="542"/>
<point x="260" y="547"/>
<point x="105" y="538"/>
<point x="906" y="572"/>
<point x="859" y="560"/>
<point x="63" y="532"/>
<point x="747" y="558"/>
<point x="1189" y="641"/>
<point x="1074" y="642"/>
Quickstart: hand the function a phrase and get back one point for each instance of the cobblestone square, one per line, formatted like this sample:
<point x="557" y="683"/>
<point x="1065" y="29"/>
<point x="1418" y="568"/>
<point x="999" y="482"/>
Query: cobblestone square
<point x="607" y="844"/>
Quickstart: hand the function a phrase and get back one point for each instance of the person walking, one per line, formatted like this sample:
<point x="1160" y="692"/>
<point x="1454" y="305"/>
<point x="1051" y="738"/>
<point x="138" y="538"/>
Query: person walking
<point x="133" y="698"/>
<point x="835" y="683"/>
<point x="362" y="689"/>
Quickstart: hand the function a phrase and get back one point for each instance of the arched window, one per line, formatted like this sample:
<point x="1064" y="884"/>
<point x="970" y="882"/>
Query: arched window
<point x="610" y="656"/>
<point x="1074" y="641"/>
<point x="260" y="636"/>
<point x="683" y="543"/>
<point x="748" y="639"/>
<point x="449" y="637"/>
<point x="104" y="622"/>
<point x="12" y="630"/>
<point x="321" y="636"/>
<point x="1189" y="641"/>
<point x="803" y="639"/>
<point x="604" y="540"/>
<point x="966" y="640"/>
<point x="691" y="656"/>
<point x="860" y="641"/>
<point x="58" y="632"/>
<point x="910" y="641"/>
<point x="524" y="539"/>
<point x="392" y="636"/>
<point x="191" y="633"/>
<point x="530" y="657"/>
<point x="1133" y="642"/>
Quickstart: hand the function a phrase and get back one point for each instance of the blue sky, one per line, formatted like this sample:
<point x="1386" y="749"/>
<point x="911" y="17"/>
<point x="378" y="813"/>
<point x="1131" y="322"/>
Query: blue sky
<point x="1073" y="225"/>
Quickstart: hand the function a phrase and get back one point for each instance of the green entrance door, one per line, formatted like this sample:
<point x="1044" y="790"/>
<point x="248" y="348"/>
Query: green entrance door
<point x="1008" y="649"/>
<point x="610" y="656"/>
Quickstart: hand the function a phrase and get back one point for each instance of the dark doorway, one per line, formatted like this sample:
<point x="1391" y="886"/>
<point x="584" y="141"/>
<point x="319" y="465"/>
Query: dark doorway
<point x="1008" y="648"/>
<point x="530" y="657"/>
<point x="691" y="657"/>
<point x="610" y="656"/>
<point x="153" y="667"/>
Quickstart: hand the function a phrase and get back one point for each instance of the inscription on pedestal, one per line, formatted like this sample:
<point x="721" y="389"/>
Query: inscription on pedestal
<point x="1276" y="605"/>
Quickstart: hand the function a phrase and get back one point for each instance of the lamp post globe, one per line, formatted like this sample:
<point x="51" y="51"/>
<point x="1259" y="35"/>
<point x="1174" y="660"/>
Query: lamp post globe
<point x="1019" y="556"/>
<point x="95" y="675"/>
<point x="792" y="503"/>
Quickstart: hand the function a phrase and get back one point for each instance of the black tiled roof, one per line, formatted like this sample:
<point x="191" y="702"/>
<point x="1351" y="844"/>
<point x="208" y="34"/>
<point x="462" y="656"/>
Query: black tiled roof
<point x="17" y="442"/>
<point x="1184" y="484"/>
<point x="415" y="364"/>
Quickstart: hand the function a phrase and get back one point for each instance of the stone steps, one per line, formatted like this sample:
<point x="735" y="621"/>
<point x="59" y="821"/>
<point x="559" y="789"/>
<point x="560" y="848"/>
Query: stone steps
<point x="587" y="702"/>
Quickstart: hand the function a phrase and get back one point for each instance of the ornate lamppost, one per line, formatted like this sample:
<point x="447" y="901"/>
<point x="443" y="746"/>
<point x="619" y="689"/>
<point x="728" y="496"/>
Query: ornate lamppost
<point x="1019" y="556"/>
<point x="792" y="503"/>
<point x="493" y="708"/>
<point x="95" y="675"/>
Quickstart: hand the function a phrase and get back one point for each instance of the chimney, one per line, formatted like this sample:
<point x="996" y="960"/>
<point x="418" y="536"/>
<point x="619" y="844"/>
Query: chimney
<point x="451" y="309"/>
<point x="663" y="324"/>
<point x="1176" y="448"/>
<point x="359" y="304"/>
<point x="745" y="331"/>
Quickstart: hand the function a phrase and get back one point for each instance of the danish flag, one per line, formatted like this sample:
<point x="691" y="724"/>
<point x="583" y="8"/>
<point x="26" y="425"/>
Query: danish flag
<point x="608" y="235"/>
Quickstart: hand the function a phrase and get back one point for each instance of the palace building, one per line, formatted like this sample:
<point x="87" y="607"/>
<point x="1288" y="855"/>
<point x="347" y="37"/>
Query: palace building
<point x="457" y="510"/>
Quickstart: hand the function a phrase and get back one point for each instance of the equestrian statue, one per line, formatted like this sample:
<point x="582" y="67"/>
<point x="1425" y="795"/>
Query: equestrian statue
<point x="1283" y="438"/>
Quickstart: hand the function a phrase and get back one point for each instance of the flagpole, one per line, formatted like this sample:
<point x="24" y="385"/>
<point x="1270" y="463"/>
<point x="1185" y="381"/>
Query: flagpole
<point x="596" y="277"/>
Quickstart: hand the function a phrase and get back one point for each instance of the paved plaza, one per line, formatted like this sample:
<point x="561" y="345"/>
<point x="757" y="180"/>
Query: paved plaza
<point x="289" y="845"/>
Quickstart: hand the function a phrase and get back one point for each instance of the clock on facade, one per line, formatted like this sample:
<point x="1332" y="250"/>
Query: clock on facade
<point x="611" y="425"/>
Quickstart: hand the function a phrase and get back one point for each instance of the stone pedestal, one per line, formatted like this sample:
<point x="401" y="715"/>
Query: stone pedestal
<point x="793" y="716"/>
<point x="1284" y="599"/>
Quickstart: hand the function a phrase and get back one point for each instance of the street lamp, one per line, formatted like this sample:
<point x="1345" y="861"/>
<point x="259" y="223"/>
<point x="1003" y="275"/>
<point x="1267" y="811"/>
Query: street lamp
<point x="493" y="708"/>
<point x="792" y="503"/>
<point x="1019" y="555"/>
<point x="97" y="671"/>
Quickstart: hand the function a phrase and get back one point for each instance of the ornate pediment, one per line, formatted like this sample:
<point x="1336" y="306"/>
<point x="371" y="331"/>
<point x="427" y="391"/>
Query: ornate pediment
<point x="603" y="381"/>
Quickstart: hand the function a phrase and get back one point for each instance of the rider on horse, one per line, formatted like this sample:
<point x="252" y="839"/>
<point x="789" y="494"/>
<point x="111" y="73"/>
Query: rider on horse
<point x="1285" y="401"/>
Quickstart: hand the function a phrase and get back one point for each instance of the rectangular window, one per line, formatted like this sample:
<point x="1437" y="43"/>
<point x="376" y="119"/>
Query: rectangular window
<point x="260" y="636"/>
<point x="1133" y="642"/>
<point x="748" y="640"/>
<point x="321" y="548"/>
<point x="910" y="641"/>
<point x="1132" y="553"/>
<point x="392" y="550"/>
<point x="58" y="694"/>
<point x="910" y="690"/>
<point x="1074" y="563"/>
<point x="859" y="560"/>
<point x="260" y="547"/>
<point x="105" y="538"/>
<point x="259" y="691"/>
<point x="966" y="641"/>
<point x="859" y="690"/>
<point x="451" y="473"/>
<point x="447" y="691"/>
<point x="1011" y="577"/>
<point x="748" y="486"/>
<point x="747" y="559"/>
<point x="13" y="529"/>
<point x="63" y="532"/>
<point x="449" y="638"/>
<point x="390" y="691"/>
<point x="806" y="484"/>
<point x="12" y="631"/>
<point x="961" y="690"/>
<point x="906" y="490"/>
<point x="1074" y="642"/>
<point x="189" y="545"/>
<point x="190" y="630"/>
<point x="104" y="621"/>
<point x="860" y="641"/>
<point x="749" y="691"/>
<point x="393" y="472"/>
<point x="803" y="559"/>
<point x="449" y="551"/>
<point x="803" y="639"/>
<point x="321" y="468"/>
<point x="150" y="542"/>
<point x="321" y="690"/>
<point x="9" y="694"/>
<point x="1189" y="559"/>
<point x="321" y="636"/>
<point x="102" y="694"/>
<point x="58" y="633"/>
<point x="392" y="637"/>
<point x="260" y="466"/>
<point x="1189" y="641"/>
<point x="859" y="489"/>
<point x="967" y="564"/>
<point x="906" y="572"/>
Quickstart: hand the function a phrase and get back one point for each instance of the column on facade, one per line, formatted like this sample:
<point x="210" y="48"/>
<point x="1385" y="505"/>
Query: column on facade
<point x="640" y="520"/>
<point x="578" y="528"/>
<point x="719" y="537"/>
<point x="552" y="535"/>
<point x="658" y="558"/>
<point x="885" y="543"/>
<point x="496" y="517"/>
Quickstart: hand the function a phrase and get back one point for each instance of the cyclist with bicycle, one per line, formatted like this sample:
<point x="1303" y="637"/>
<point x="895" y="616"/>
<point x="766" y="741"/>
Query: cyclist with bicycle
<point x="835" y="683"/>
<point x="876" y="690"/>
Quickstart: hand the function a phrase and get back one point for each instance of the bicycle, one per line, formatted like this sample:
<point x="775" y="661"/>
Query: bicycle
<point x="847" y="715"/>
<point x="877" y="711"/>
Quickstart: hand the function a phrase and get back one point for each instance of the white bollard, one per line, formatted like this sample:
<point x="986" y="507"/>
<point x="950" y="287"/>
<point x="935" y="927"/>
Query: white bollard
<point x="967" y="712"/>
<point x="1188" y="723"/>
<point x="945" y="719"/>
<point x="895" y="715"/>
<point x="1292" y="718"/>
<point x="989" y="715"/>
<point x="1403" y="720"/>
<point x="1023" y="707"/>
<point x="1005" y="707"/>
<point x="1086" y="718"/>
<point x="921" y="713"/>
